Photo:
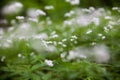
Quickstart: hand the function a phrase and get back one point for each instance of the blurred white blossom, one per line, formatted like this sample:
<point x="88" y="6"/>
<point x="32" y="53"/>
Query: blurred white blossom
<point x="101" y="53"/>
<point x="40" y="12"/>
<point x="12" y="8"/>
<point x="49" y="62"/>
<point x="115" y="8"/>
<point x="34" y="13"/>
<point x="40" y="36"/>
<point x="3" y="58"/>
<point x="20" y="17"/>
<point x="89" y="31"/>
<point x="73" y="2"/>
<point x="49" y="7"/>
<point x="19" y="55"/>
<point x="69" y="14"/>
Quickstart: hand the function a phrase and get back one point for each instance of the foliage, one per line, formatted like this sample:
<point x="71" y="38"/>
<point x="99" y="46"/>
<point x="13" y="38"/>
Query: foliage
<point x="83" y="46"/>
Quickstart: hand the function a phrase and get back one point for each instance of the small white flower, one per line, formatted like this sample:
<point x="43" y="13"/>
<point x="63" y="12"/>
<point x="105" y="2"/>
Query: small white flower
<point x="89" y="31"/>
<point x="32" y="53"/>
<point x="69" y="14"/>
<point x="19" y="55"/>
<point x="9" y="40"/>
<point x="108" y="17"/>
<point x="44" y="43"/>
<point x="40" y="12"/>
<point x="71" y="39"/>
<point x="110" y="26"/>
<point x="60" y="43"/>
<point x="73" y="2"/>
<point x="34" y="13"/>
<point x="49" y="63"/>
<point x="12" y="8"/>
<point x="53" y="35"/>
<point x="64" y="45"/>
<point x="101" y="53"/>
<point x="50" y="7"/>
<point x="20" y="17"/>
<point x="100" y="34"/>
<point x="68" y="22"/>
<point x="103" y="37"/>
<point x="3" y="58"/>
<point x="49" y="42"/>
<point x="93" y="43"/>
<point x="51" y="48"/>
<point x="106" y="29"/>
<point x="64" y="40"/>
<point x="115" y="8"/>
<point x="40" y="36"/>
<point x="91" y="9"/>
<point x="74" y="37"/>
<point x="62" y="55"/>
<point x="33" y="19"/>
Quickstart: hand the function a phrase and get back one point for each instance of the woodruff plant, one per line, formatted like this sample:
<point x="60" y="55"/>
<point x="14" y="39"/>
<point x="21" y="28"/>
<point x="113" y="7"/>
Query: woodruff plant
<point x="43" y="50"/>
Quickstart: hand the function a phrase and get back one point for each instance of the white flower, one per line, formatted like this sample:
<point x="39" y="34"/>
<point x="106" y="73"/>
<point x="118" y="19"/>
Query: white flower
<point x="20" y="17"/>
<point x="33" y="19"/>
<point x="106" y="29"/>
<point x="115" y="8"/>
<point x="74" y="37"/>
<point x="101" y="54"/>
<point x="19" y="55"/>
<point x="108" y="17"/>
<point x="54" y="35"/>
<point x="93" y="43"/>
<point x="40" y="36"/>
<point x="34" y="13"/>
<point x="73" y="54"/>
<point x="12" y="8"/>
<point x="3" y="58"/>
<point x="103" y="37"/>
<point x="50" y="7"/>
<point x="89" y="31"/>
<point x="9" y="40"/>
<point x="32" y="53"/>
<point x="100" y="34"/>
<point x="40" y="12"/>
<point x="62" y="55"/>
<point x="68" y="22"/>
<point x="49" y="63"/>
<point x="51" y="48"/>
<point x="73" y="2"/>
<point x="69" y="14"/>
<point x="91" y="9"/>
<point x="60" y="43"/>
<point x="64" y="40"/>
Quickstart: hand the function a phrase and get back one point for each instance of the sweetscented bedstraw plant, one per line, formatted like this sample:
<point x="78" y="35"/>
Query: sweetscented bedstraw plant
<point x="36" y="50"/>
